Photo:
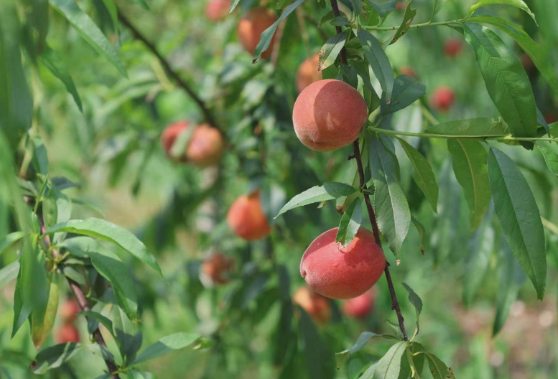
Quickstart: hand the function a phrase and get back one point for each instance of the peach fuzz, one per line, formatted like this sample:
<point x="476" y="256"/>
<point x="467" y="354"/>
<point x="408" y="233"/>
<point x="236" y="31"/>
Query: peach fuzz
<point x="340" y="272"/>
<point x="247" y="219"/>
<point x="205" y="147"/>
<point x="328" y="115"/>
<point x="251" y="26"/>
<point x="217" y="10"/>
<point x="360" y="306"/>
<point x="317" y="306"/>
<point x="308" y="73"/>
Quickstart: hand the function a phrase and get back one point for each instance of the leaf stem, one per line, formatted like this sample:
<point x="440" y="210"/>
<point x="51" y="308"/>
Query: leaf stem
<point x="415" y="26"/>
<point x="449" y="136"/>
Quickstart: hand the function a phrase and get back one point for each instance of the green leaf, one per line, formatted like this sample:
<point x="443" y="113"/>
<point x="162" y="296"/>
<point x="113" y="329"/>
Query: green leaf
<point x="87" y="29"/>
<point x="549" y="154"/>
<point x="267" y="35"/>
<point x="378" y="60"/>
<point x="116" y="272"/>
<point x="408" y="18"/>
<point x="389" y="365"/>
<point x="481" y="246"/>
<point x="350" y="223"/>
<point x="469" y="165"/>
<point x="473" y="127"/>
<point x="423" y="174"/>
<point x="98" y="319"/>
<point x="166" y="345"/>
<point x="318" y="194"/>
<point x="233" y="5"/>
<point x="9" y="240"/>
<point x="55" y="356"/>
<point x="107" y="231"/>
<point x="438" y="369"/>
<point x="511" y="279"/>
<point x="392" y="209"/>
<point x="319" y="358"/>
<point x="53" y="61"/>
<point x="8" y="273"/>
<point x="42" y="320"/>
<point x="331" y="50"/>
<point x="506" y="80"/>
<point x="406" y="90"/>
<point x="416" y="301"/>
<point x="362" y="340"/>
<point x="539" y="54"/>
<point x="519" y="216"/>
<point x="516" y="3"/>
<point x="438" y="4"/>
<point x="180" y="144"/>
<point x="422" y="232"/>
<point x="384" y="8"/>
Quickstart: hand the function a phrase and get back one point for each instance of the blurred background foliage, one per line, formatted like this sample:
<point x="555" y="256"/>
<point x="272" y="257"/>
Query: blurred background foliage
<point x="112" y="150"/>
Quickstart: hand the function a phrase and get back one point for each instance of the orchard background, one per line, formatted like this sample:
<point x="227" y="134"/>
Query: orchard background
<point x="155" y="201"/>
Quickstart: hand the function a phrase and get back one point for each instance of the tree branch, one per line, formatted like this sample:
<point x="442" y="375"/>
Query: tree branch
<point x="371" y="214"/>
<point x="165" y="63"/>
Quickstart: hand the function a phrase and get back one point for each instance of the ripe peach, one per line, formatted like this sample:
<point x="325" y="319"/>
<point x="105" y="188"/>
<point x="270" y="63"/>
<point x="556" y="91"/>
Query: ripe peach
<point x="67" y="333"/>
<point x="409" y="71"/>
<point x="453" y="47"/>
<point x="251" y="27"/>
<point x="308" y="72"/>
<point x="328" y="115"/>
<point x="216" y="10"/>
<point x="247" y="219"/>
<point x="205" y="147"/>
<point x="360" y="306"/>
<point x="215" y="269"/>
<point x="442" y="98"/>
<point x="69" y="310"/>
<point x="314" y="304"/>
<point x="340" y="272"/>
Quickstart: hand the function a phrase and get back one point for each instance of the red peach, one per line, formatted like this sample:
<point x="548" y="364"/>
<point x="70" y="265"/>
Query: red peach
<point x="69" y="310"/>
<point x="360" y="306"/>
<point x="442" y="98"/>
<point x="409" y="71"/>
<point x="205" y="147"/>
<point x="216" y="10"/>
<point x="340" y="272"/>
<point x="551" y="117"/>
<point x="251" y="26"/>
<point x="453" y="47"/>
<point x="67" y="333"/>
<point x="247" y="219"/>
<point x="216" y="268"/>
<point x="308" y="72"/>
<point x="317" y="306"/>
<point x="328" y="115"/>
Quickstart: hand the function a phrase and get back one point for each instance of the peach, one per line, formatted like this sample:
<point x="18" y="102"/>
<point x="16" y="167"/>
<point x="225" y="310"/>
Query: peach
<point x="247" y="219"/>
<point x="69" y="310"/>
<point x="340" y="272"/>
<point x="251" y="26"/>
<point x="401" y="6"/>
<point x="317" y="306"/>
<point x="216" y="269"/>
<point x="67" y="333"/>
<point x="328" y="115"/>
<point x="443" y="98"/>
<point x="409" y="71"/>
<point x="359" y="307"/>
<point x="308" y="72"/>
<point x="453" y="47"/>
<point x="204" y="149"/>
<point x="216" y="10"/>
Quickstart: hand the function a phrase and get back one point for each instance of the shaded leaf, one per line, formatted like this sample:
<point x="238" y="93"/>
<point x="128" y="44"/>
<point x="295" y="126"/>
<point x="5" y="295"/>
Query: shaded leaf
<point x="55" y="356"/>
<point x="166" y="345"/>
<point x="52" y="60"/>
<point x="331" y="49"/>
<point x="378" y="60"/>
<point x="350" y="223"/>
<point x="318" y="194"/>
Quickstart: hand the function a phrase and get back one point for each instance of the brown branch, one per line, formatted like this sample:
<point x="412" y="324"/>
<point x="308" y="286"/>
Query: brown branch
<point x="371" y="214"/>
<point x="81" y="300"/>
<point x="165" y="63"/>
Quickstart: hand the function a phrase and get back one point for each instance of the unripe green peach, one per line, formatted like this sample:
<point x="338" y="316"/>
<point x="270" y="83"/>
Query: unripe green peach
<point x="247" y="219"/>
<point x="251" y="26"/>
<point x="340" y="272"/>
<point x="328" y="115"/>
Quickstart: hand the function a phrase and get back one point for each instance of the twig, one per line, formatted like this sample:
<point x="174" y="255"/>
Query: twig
<point x="165" y="63"/>
<point x="371" y="214"/>
<point x="82" y="301"/>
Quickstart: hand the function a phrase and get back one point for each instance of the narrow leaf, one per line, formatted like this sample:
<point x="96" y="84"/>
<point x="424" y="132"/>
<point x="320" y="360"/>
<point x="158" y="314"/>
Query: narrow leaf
<point x="473" y="127"/>
<point x="549" y="154"/>
<point x="166" y="345"/>
<point x="350" y="223"/>
<point x="378" y="60"/>
<point x="9" y="240"/>
<point x="438" y="369"/>
<point x="55" y="356"/>
<point x="53" y="61"/>
<point x="318" y="194"/>
<point x="408" y="18"/>
<point x="331" y="50"/>
<point x="516" y="3"/>
<point x="362" y="340"/>
<point x="389" y="365"/>
<point x="438" y="4"/>
<point x="406" y="90"/>
<point x="8" y="273"/>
